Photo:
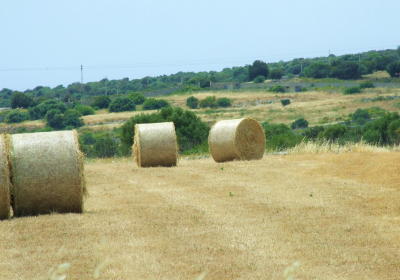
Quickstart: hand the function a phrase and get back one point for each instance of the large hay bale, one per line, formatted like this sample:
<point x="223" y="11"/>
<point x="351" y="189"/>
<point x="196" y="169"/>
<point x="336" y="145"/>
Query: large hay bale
<point x="5" y="195"/>
<point x="155" y="144"/>
<point x="47" y="173"/>
<point x="242" y="139"/>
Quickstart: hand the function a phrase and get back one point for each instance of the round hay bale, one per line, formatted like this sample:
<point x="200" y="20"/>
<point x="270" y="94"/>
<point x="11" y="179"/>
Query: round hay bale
<point x="242" y="139"/>
<point x="5" y="195"/>
<point x="155" y="144"/>
<point x="47" y="173"/>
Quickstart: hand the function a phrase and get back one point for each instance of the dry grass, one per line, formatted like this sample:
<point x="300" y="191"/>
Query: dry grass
<point x="378" y="74"/>
<point x="336" y="214"/>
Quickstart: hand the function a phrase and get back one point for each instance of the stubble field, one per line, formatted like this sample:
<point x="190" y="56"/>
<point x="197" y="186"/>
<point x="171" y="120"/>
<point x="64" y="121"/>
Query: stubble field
<point x="338" y="215"/>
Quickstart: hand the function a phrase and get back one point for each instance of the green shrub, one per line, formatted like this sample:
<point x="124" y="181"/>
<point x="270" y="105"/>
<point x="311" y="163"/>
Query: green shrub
<point x="120" y="104"/>
<point x="155" y="104"/>
<point x="312" y="132"/>
<point x="39" y="112"/>
<point x="209" y="101"/>
<point x="394" y="131"/>
<point x="20" y="100"/>
<point x="366" y="85"/>
<point x="377" y="132"/>
<point x="335" y="131"/>
<point x="190" y="130"/>
<point x="299" y="123"/>
<point x="352" y="90"/>
<point x="360" y="113"/>
<point x="259" y="79"/>
<point x="85" y="110"/>
<point x="102" y="102"/>
<point x="54" y="119"/>
<point x="72" y="118"/>
<point x="17" y="116"/>
<point x="277" y="88"/>
<point x="360" y="121"/>
<point x="279" y="136"/>
<point x="192" y="102"/>
<point x="137" y="98"/>
<point x="224" y="102"/>
<point x="285" y="102"/>
<point x="304" y="89"/>
<point x="105" y="147"/>
<point x="87" y="138"/>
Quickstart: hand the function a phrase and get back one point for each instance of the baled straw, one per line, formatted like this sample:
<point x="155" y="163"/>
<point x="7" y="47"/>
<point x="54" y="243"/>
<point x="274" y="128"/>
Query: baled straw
<point x="47" y="173"/>
<point x="241" y="139"/>
<point x="5" y="195"/>
<point x="155" y="144"/>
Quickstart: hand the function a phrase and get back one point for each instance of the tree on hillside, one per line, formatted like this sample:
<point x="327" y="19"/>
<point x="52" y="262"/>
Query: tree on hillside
<point x="20" y="99"/>
<point x="383" y="61"/>
<point x="276" y="74"/>
<point x="394" y="69"/>
<point x="259" y="68"/>
<point x="348" y="70"/>
<point x="318" y="70"/>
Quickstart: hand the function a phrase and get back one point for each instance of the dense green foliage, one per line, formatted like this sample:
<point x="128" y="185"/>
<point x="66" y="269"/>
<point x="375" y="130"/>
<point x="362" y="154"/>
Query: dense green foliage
<point x="366" y="85"/>
<point x="17" y="116"/>
<point x="101" y="102"/>
<point x="259" y="79"/>
<point x="39" y="111"/>
<point x="276" y="74"/>
<point x="280" y="136"/>
<point x="352" y="90"/>
<point x="259" y="68"/>
<point x="209" y="101"/>
<point x="190" y="130"/>
<point x="155" y="104"/>
<point x="84" y="110"/>
<point x="277" y="88"/>
<point x="224" y="102"/>
<point x="120" y="104"/>
<point x="394" y="69"/>
<point x="137" y="98"/>
<point x="300" y="123"/>
<point x="192" y="102"/>
<point x="57" y="120"/>
<point x="285" y="101"/>
<point x="20" y="100"/>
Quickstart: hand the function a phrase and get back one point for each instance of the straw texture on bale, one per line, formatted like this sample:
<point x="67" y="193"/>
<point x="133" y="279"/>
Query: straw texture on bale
<point x="47" y="173"/>
<point x="241" y="139"/>
<point x="155" y="144"/>
<point x="5" y="195"/>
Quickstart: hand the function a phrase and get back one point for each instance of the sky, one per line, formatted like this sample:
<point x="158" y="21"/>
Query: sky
<point x="45" y="42"/>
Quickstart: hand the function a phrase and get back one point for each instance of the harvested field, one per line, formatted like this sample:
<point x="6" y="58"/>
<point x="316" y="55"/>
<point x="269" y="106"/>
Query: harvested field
<point x="336" y="214"/>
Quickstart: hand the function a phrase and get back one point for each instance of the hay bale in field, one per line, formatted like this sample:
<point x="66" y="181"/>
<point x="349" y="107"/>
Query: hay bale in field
<point x="242" y="139"/>
<point x="5" y="195"/>
<point x="155" y="144"/>
<point x="47" y="173"/>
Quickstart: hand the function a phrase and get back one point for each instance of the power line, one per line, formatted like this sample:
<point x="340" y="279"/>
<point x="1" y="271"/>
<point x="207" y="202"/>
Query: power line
<point x="178" y="63"/>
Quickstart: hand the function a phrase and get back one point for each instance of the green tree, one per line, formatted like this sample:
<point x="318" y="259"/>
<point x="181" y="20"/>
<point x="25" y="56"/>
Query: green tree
<point x="120" y="104"/>
<point x="335" y="131"/>
<point x="317" y="70"/>
<point x="299" y="124"/>
<point x="20" y="100"/>
<point x="224" y="102"/>
<point x="39" y="112"/>
<point x="383" y="61"/>
<point x="137" y="98"/>
<point x="85" y="110"/>
<point x="259" y="79"/>
<point x="72" y="118"/>
<point x="394" y="69"/>
<point x="102" y="102"/>
<point x="105" y="147"/>
<point x="276" y="74"/>
<point x="209" y="101"/>
<point x="155" y="104"/>
<point x="17" y="116"/>
<point x="259" y="68"/>
<point x="192" y="102"/>
<point x="55" y="119"/>
<point x="277" y="88"/>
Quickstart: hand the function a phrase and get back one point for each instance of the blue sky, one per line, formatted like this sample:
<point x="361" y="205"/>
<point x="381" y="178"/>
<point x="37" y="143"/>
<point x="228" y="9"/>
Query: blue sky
<point x="134" y="39"/>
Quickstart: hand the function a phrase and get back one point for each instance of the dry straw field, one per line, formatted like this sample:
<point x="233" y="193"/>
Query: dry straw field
<point x="337" y="215"/>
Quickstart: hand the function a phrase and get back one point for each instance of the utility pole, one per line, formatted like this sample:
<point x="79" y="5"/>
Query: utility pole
<point x="106" y="85"/>
<point x="301" y="69"/>
<point x="81" y="78"/>
<point x="329" y="57"/>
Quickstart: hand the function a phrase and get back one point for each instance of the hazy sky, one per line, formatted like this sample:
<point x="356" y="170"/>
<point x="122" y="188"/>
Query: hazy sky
<point x="134" y="39"/>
